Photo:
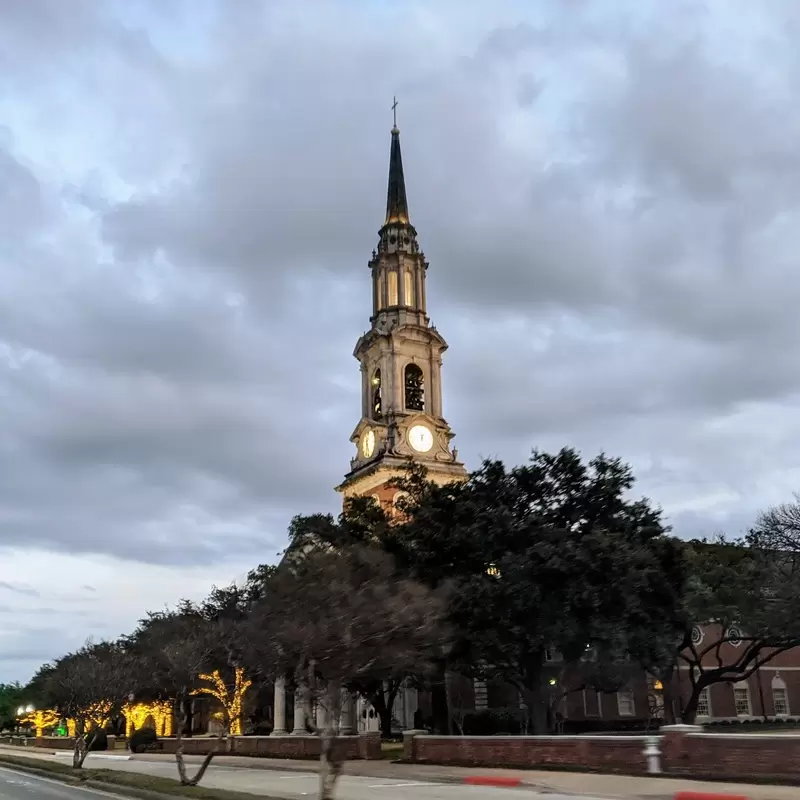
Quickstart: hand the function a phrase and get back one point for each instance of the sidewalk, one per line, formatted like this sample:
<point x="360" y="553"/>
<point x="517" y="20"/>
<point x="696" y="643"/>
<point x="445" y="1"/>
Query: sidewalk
<point x="622" y="787"/>
<point x="545" y="781"/>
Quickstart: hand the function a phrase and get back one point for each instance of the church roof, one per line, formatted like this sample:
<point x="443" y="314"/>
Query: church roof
<point x="396" y="203"/>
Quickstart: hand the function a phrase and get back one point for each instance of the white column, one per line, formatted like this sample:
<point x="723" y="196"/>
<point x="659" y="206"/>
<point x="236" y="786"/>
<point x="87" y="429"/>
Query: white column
<point x="347" y="720"/>
<point x="279" y="716"/>
<point x="321" y="716"/>
<point x="299" y="714"/>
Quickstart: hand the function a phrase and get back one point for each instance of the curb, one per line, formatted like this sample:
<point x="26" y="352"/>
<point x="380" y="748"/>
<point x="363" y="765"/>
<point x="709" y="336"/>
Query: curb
<point x="708" y="796"/>
<point x="490" y="780"/>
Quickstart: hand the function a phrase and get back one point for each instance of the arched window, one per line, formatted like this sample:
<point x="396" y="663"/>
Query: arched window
<point x="780" y="696"/>
<point x="415" y="388"/>
<point x="393" y="301"/>
<point x="377" y="400"/>
<point x="408" y="288"/>
<point x="381" y="290"/>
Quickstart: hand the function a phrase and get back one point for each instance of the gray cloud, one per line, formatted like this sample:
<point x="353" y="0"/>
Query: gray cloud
<point x="607" y="198"/>
<point x="28" y="591"/>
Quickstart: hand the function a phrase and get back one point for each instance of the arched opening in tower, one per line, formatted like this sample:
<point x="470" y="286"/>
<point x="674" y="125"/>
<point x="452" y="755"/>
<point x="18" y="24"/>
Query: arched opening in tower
<point x="415" y="388"/>
<point x="377" y="400"/>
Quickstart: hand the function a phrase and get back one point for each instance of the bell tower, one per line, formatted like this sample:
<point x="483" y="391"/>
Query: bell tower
<point x="401" y="362"/>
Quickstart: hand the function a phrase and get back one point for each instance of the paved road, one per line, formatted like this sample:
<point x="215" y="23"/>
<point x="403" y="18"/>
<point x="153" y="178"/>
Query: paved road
<point x="17" y="786"/>
<point x="293" y="785"/>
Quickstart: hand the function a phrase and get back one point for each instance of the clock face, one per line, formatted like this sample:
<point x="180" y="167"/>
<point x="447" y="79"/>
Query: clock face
<point x="420" y="438"/>
<point x="368" y="443"/>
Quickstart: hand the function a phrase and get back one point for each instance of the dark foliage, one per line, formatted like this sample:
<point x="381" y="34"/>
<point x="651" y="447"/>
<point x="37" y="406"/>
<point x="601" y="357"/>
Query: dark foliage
<point x="143" y="740"/>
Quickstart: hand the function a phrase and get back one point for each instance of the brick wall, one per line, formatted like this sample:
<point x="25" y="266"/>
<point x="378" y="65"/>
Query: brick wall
<point x="363" y="746"/>
<point x="730" y="755"/>
<point x="607" y="753"/>
<point x="683" y="751"/>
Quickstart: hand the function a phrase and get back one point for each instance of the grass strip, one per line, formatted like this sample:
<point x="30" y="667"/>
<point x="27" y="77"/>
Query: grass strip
<point x="132" y="783"/>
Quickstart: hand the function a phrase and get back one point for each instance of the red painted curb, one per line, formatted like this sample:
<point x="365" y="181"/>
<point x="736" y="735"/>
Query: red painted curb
<point x="487" y="780"/>
<point x="708" y="796"/>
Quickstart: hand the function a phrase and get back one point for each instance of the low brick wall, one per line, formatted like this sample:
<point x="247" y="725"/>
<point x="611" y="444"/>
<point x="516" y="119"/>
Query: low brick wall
<point x="681" y="750"/>
<point x="606" y="753"/>
<point x="363" y="746"/>
<point x="732" y="755"/>
<point x="48" y="742"/>
<point x="55" y="742"/>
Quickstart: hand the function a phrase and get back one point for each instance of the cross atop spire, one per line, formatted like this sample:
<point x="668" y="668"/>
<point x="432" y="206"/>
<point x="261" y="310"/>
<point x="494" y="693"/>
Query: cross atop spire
<point x="396" y="202"/>
<point x="394" y="114"/>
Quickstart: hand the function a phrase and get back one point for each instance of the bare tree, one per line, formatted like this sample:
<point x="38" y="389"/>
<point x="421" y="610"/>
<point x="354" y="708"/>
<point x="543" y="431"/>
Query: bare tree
<point x="337" y="618"/>
<point x="90" y="687"/>
<point x="176" y="648"/>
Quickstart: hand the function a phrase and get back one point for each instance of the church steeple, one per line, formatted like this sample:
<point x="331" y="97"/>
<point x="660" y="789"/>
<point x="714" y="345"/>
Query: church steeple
<point x="401" y="362"/>
<point x="396" y="202"/>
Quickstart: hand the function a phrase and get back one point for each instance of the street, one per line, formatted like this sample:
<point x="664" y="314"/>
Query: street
<point x="290" y="785"/>
<point x="17" y="786"/>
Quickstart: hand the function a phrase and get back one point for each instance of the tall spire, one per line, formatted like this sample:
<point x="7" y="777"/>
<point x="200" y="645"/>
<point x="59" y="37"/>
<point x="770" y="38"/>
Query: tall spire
<point x="396" y="203"/>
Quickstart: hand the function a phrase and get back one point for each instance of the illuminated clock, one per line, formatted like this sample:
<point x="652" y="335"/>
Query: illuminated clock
<point x="368" y="443"/>
<point x="420" y="438"/>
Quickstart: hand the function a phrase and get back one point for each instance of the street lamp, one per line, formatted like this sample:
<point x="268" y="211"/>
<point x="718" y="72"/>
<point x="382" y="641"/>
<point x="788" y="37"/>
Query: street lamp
<point x="30" y="709"/>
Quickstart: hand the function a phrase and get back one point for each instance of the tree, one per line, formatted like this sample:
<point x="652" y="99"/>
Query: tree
<point x="10" y="701"/>
<point x="174" y="649"/>
<point x="90" y="687"/>
<point x="230" y="696"/>
<point x="742" y="605"/>
<point x="551" y="556"/>
<point x="337" y="617"/>
<point x="361" y="522"/>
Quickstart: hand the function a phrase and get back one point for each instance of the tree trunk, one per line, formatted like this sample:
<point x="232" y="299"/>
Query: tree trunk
<point x="689" y="713"/>
<point x="538" y="707"/>
<point x="382" y="700"/>
<point x="331" y="751"/>
<point x="181" y="717"/>
<point x="81" y="750"/>
<point x="439" y="708"/>
<point x="188" y="715"/>
<point x="79" y="753"/>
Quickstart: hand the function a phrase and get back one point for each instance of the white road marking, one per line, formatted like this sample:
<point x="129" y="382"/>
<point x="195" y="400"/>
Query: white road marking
<point x="296" y="777"/>
<point x="395" y="785"/>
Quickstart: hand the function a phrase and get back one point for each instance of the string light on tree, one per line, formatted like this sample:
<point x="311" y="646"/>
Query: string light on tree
<point x="231" y="700"/>
<point x="160" y="712"/>
<point x="39" y="719"/>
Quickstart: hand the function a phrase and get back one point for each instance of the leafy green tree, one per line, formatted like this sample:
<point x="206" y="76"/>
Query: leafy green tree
<point x="89" y="686"/>
<point x="549" y="556"/>
<point x="339" y="616"/>
<point x="11" y="695"/>
<point x="173" y="649"/>
<point x="361" y="523"/>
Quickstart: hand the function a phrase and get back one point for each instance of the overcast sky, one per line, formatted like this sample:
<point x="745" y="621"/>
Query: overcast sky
<point x="189" y="194"/>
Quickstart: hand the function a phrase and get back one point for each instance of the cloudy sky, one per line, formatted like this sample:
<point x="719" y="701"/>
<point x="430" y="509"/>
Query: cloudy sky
<point x="608" y="194"/>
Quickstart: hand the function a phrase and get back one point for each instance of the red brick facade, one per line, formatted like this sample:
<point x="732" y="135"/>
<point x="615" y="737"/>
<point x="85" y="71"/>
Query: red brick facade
<point x="771" y="694"/>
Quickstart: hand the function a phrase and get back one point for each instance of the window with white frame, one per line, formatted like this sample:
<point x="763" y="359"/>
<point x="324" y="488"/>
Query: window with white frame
<point x="741" y="700"/>
<point x="780" y="696"/>
<point x="626" y="704"/>
<point x="780" y="699"/>
<point x="704" y="704"/>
